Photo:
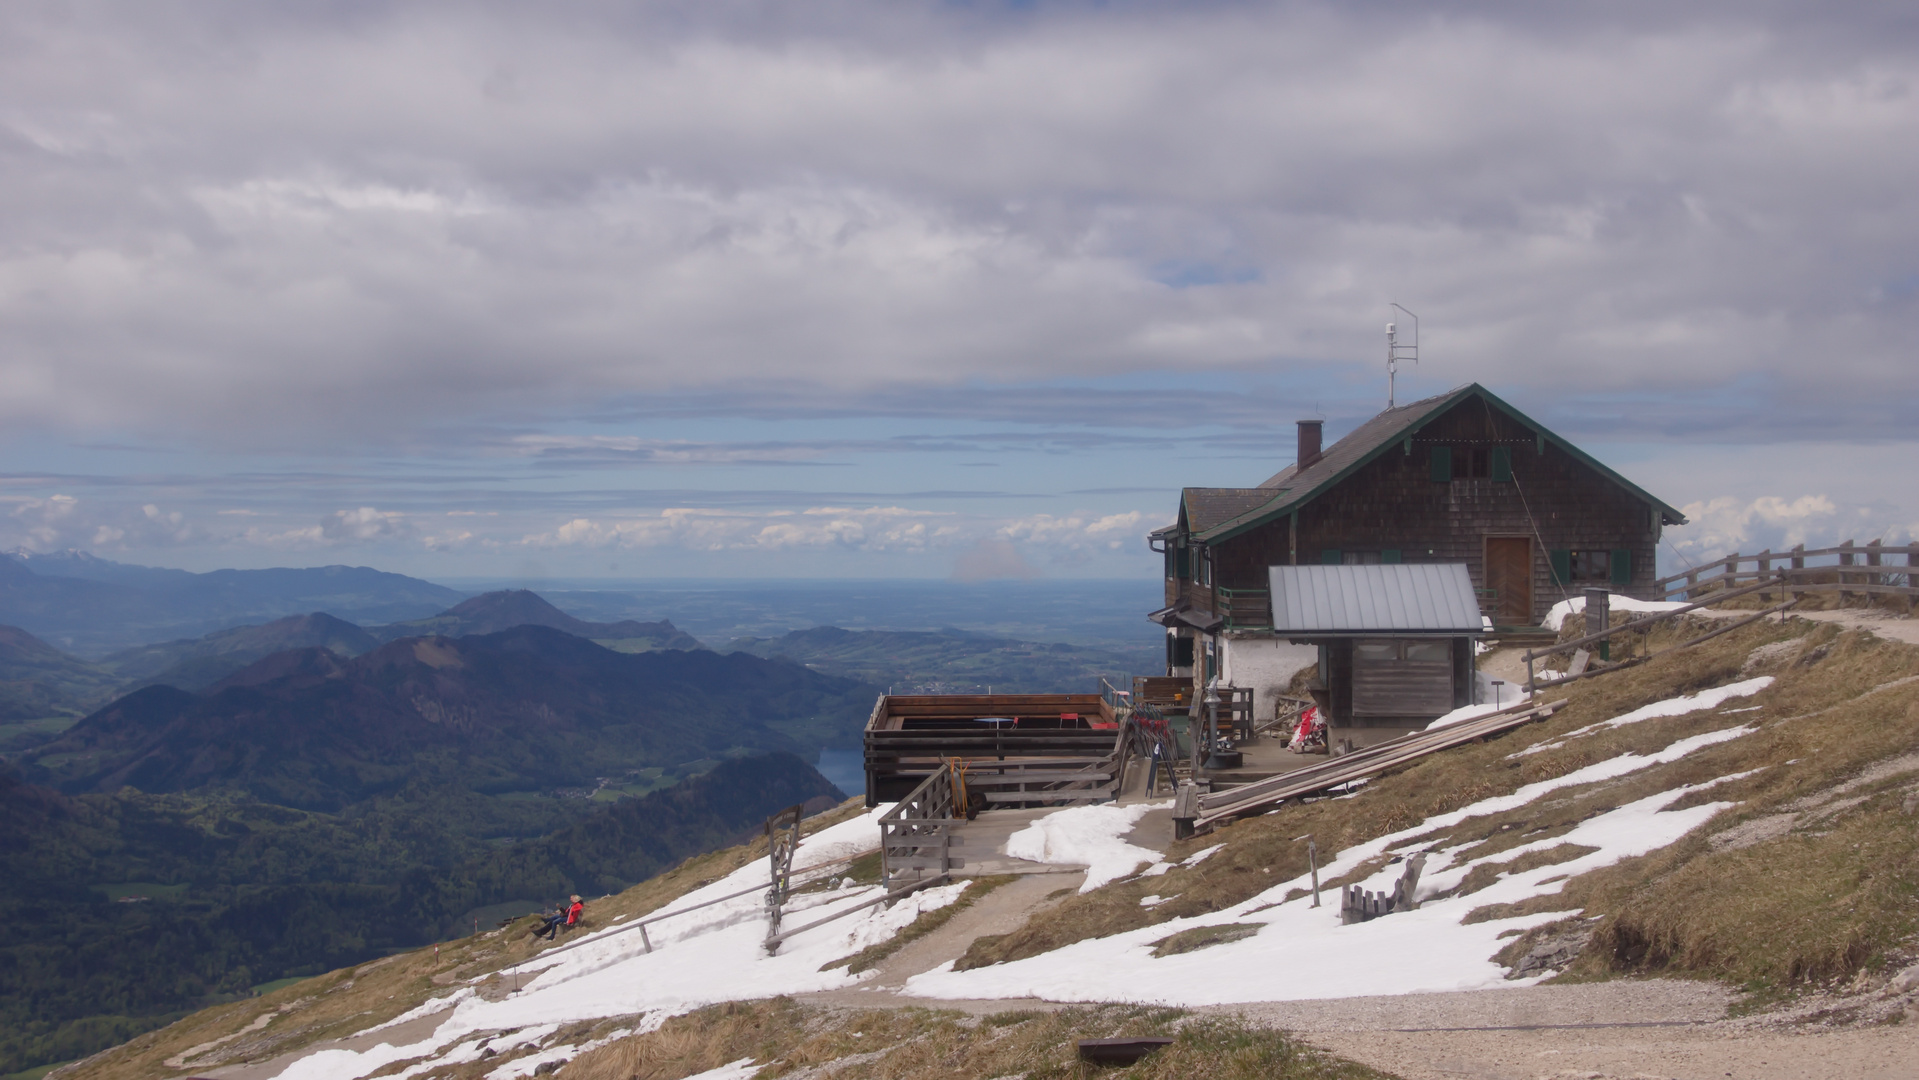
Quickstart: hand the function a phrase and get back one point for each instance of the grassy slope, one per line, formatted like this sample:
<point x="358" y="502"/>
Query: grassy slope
<point x="1821" y="897"/>
<point x="1831" y="893"/>
<point x="353" y="999"/>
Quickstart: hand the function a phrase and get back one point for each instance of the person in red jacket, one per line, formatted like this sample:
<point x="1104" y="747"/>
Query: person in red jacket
<point x="573" y="913"/>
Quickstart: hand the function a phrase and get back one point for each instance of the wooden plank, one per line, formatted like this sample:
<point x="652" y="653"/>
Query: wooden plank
<point x="1069" y="795"/>
<point x="1237" y="801"/>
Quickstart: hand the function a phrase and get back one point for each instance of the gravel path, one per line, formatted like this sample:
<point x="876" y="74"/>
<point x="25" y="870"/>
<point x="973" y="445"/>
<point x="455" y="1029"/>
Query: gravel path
<point x="1597" y="1031"/>
<point x="1885" y="624"/>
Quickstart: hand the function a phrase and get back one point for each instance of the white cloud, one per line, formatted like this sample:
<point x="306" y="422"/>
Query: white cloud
<point x="877" y="528"/>
<point x="1725" y="525"/>
<point x="1113" y="532"/>
<point x="64" y="521"/>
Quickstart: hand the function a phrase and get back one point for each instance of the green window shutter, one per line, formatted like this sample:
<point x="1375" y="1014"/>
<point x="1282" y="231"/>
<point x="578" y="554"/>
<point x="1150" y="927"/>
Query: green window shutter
<point x="1562" y="566"/>
<point x="1442" y="464"/>
<point x="1330" y="556"/>
<point x="1620" y="563"/>
<point x="1389" y="555"/>
<point x="1502" y="464"/>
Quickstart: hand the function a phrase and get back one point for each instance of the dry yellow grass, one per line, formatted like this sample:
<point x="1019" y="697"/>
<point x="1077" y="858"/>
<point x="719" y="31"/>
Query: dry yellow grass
<point x="789" y="1039"/>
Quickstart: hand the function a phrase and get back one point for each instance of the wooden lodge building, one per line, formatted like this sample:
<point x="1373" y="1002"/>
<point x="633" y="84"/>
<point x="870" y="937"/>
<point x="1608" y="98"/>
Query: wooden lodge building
<point x="1461" y="478"/>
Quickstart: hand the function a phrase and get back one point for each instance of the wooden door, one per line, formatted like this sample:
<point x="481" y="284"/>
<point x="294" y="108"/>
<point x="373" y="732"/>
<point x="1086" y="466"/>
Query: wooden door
<point x="1509" y="573"/>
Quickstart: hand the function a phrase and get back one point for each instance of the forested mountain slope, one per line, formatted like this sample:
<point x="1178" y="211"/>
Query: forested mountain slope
<point x="525" y="709"/>
<point x="240" y="892"/>
<point x="492" y="612"/>
<point x="196" y="663"/>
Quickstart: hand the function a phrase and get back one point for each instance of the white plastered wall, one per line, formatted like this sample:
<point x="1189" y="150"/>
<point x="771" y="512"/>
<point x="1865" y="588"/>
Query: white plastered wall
<point x="1267" y="664"/>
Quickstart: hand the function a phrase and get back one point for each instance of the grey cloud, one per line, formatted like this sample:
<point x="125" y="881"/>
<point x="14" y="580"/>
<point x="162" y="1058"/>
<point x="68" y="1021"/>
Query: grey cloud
<point x="279" y="223"/>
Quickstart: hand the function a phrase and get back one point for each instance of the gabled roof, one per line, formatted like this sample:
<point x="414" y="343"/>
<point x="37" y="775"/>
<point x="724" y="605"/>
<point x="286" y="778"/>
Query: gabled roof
<point x="1207" y="507"/>
<point x="1403" y="598"/>
<point x="1292" y="488"/>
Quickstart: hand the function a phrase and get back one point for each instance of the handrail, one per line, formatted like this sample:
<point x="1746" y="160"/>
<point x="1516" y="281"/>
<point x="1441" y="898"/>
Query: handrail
<point x="641" y="923"/>
<point x="1873" y="550"/>
<point x="1648" y="620"/>
<point x="933" y="796"/>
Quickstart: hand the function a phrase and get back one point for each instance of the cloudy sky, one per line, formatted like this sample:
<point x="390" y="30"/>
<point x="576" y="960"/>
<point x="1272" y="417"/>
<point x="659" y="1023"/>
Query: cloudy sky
<point x="922" y="289"/>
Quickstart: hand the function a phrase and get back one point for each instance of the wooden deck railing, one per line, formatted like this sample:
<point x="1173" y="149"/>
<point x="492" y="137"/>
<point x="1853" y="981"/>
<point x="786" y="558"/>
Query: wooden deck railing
<point x="1246" y="609"/>
<point x="1865" y="569"/>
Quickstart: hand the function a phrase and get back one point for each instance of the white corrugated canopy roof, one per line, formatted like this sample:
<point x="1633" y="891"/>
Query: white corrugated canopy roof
<point x="1426" y="598"/>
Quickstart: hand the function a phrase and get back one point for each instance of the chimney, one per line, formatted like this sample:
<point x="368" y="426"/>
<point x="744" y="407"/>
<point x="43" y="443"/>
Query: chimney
<point x="1309" y="435"/>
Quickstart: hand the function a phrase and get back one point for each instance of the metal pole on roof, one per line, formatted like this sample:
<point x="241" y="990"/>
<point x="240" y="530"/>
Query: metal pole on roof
<point x="1394" y="350"/>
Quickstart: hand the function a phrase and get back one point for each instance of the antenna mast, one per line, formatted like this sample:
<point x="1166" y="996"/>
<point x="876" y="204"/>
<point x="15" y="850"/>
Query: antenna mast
<point x="1395" y="351"/>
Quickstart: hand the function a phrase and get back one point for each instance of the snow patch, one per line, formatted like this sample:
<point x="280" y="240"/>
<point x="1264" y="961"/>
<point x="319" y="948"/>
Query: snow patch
<point x="1679" y="706"/>
<point x="1311" y="955"/>
<point x="1565" y="609"/>
<point x="743" y="1069"/>
<point x="1087" y="836"/>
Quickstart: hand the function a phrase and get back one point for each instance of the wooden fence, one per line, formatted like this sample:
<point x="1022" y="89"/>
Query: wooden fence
<point x="916" y="835"/>
<point x="1853" y="569"/>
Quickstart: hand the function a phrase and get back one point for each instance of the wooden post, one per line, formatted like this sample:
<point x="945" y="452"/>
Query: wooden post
<point x="1692" y="584"/>
<point x="1798" y="564"/>
<point x="1312" y="860"/>
<point x="1765" y="571"/>
<point x="1872" y="559"/>
<point x="1599" y="617"/>
<point x="1730" y="577"/>
<point x="1845" y="559"/>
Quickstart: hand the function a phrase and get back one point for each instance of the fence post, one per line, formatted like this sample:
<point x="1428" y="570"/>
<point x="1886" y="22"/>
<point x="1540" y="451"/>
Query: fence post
<point x="1845" y="559"/>
<point x="1598" y="617"/>
<point x="1765" y="571"/>
<point x="1692" y="584"/>
<point x="1730" y="579"/>
<point x="1798" y="564"/>
<point x="1872" y="559"/>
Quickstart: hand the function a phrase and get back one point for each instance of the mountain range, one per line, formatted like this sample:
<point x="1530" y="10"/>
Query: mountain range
<point x="92" y="606"/>
<point x="492" y="612"/>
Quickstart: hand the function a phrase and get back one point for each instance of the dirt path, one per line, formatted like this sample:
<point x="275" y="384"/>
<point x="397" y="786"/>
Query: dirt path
<point x="1885" y="624"/>
<point x="1685" y="1052"/>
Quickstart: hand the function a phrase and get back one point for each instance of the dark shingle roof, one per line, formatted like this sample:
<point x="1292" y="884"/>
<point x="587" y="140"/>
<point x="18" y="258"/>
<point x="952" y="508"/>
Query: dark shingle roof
<point x="1291" y="487"/>
<point x="1207" y="507"/>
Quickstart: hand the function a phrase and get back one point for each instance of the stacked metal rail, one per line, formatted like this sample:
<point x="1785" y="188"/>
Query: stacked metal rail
<point x="1263" y="795"/>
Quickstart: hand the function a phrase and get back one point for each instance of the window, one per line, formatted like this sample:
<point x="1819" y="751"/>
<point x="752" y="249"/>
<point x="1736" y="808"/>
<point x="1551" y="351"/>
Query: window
<point x="1591" y="566"/>
<point x="1393" y="650"/>
<point x="1343" y="557"/>
<point x="1472" y="462"/>
<point x="1179" y="651"/>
